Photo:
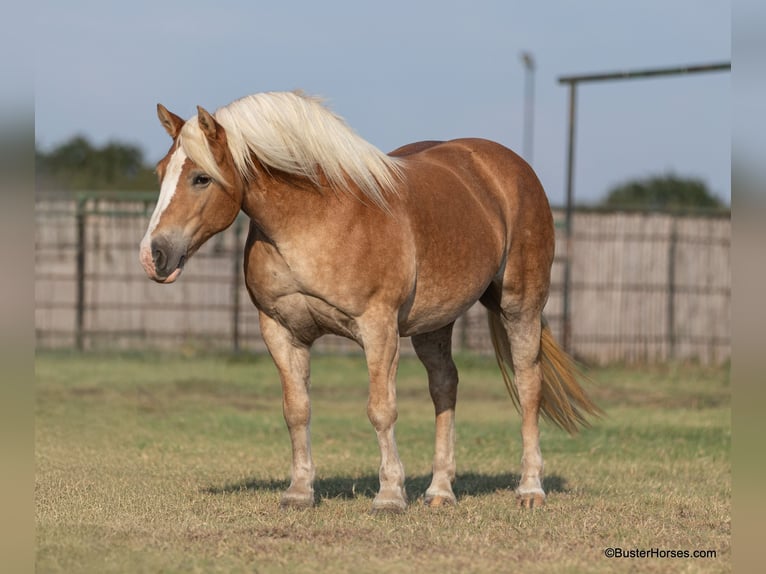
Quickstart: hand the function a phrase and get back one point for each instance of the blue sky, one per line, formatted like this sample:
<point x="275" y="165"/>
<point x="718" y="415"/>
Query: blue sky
<point x="401" y="71"/>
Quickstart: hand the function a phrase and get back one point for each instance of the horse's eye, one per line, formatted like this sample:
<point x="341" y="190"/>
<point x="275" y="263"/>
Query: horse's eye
<point x="202" y="180"/>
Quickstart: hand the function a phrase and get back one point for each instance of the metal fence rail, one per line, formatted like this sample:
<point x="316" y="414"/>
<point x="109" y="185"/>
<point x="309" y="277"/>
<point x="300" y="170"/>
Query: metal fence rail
<point x="645" y="287"/>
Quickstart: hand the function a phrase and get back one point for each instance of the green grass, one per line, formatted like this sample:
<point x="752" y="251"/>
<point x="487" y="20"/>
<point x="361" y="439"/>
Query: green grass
<point x="161" y="463"/>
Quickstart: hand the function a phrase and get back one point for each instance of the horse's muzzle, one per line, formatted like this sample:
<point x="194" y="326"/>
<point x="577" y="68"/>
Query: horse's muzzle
<point x="163" y="258"/>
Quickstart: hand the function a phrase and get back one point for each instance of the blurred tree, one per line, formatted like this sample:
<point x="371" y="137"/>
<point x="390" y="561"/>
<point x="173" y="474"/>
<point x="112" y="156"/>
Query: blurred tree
<point x="667" y="192"/>
<point x="77" y="165"/>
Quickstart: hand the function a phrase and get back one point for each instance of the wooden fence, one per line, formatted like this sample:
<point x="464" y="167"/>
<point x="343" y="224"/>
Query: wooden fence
<point x="645" y="287"/>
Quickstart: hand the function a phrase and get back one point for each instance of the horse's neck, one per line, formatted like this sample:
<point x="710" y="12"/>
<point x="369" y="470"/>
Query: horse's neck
<point x="285" y="206"/>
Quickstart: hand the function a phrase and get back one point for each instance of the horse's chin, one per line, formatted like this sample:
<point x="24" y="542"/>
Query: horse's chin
<point x="170" y="278"/>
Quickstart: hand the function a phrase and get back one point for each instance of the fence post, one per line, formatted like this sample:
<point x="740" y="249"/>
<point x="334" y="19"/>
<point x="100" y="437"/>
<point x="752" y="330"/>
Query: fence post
<point x="671" y="310"/>
<point x="235" y="278"/>
<point x="80" y="274"/>
<point x="566" y="339"/>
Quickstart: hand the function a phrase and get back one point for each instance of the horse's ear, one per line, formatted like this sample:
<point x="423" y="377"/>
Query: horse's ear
<point x="171" y="122"/>
<point x="214" y="132"/>
<point x="207" y="123"/>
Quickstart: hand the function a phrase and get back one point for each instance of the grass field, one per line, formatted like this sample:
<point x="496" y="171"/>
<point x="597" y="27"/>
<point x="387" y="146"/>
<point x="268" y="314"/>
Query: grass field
<point x="159" y="463"/>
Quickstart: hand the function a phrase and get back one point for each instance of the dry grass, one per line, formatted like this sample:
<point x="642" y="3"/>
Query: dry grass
<point x="175" y="464"/>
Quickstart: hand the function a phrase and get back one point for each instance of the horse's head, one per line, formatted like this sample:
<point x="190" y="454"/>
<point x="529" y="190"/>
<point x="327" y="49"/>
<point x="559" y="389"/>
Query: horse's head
<point x="198" y="197"/>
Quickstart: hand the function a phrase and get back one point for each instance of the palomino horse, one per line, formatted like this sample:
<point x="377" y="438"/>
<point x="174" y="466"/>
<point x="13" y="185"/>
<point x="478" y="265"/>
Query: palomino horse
<point x="347" y="240"/>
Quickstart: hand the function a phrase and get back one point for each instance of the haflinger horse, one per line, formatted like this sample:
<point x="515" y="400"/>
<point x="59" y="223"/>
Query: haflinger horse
<point x="347" y="240"/>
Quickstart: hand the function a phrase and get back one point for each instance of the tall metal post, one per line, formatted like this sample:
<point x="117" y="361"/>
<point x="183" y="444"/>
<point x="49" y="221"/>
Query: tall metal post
<point x="235" y="281"/>
<point x="671" y="309"/>
<point x="80" y="275"/>
<point x="567" y="311"/>
<point x="529" y="105"/>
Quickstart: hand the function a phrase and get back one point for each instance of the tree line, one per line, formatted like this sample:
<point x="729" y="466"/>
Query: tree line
<point x="78" y="165"/>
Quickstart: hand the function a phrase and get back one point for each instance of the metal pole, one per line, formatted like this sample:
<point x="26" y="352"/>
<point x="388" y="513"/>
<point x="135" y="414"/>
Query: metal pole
<point x="567" y="327"/>
<point x="80" y="275"/>
<point x="236" y="266"/>
<point x="648" y="73"/>
<point x="529" y="105"/>
<point x="672" y="247"/>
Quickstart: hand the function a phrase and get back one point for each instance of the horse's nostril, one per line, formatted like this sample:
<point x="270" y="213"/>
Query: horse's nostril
<point x="159" y="258"/>
<point x="168" y="254"/>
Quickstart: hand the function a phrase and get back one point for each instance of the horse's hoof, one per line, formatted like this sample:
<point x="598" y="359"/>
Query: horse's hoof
<point x="531" y="500"/>
<point x="296" y="501"/>
<point x="389" y="503"/>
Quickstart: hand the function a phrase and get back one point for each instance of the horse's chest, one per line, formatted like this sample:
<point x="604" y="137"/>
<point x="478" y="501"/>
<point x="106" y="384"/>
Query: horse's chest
<point x="275" y="290"/>
<point x="267" y="275"/>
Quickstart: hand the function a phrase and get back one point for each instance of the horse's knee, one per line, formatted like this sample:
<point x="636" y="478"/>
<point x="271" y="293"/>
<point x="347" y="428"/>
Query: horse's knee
<point x="382" y="416"/>
<point x="296" y="410"/>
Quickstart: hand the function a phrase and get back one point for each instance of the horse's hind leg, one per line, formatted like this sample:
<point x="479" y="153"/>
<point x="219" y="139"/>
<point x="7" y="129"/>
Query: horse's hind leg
<point x="524" y="335"/>
<point x="523" y="330"/>
<point x="435" y="352"/>
<point x="292" y="361"/>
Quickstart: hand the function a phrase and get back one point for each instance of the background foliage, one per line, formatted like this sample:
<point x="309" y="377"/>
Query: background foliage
<point x="78" y="165"/>
<point x="662" y="192"/>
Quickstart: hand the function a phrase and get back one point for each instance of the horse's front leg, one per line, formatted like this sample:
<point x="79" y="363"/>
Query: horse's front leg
<point x="292" y="360"/>
<point x="380" y="338"/>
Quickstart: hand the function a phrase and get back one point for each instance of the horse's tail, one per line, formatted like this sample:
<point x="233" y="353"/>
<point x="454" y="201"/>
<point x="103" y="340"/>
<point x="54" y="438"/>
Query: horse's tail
<point x="564" y="401"/>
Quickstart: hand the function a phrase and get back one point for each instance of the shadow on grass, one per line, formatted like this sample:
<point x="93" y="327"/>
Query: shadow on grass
<point x="466" y="484"/>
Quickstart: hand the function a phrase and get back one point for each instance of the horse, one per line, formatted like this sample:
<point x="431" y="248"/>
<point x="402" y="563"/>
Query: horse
<point x="348" y="240"/>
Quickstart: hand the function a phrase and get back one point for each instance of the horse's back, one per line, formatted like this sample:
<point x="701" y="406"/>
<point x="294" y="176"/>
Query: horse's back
<point x="503" y="187"/>
<point x="415" y="147"/>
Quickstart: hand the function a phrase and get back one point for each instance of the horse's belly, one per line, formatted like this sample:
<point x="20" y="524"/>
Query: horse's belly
<point x="428" y="320"/>
<point x="453" y="272"/>
<point x="434" y="305"/>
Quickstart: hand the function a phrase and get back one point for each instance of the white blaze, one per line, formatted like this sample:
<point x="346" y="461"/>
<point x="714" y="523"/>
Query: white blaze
<point x="167" y="191"/>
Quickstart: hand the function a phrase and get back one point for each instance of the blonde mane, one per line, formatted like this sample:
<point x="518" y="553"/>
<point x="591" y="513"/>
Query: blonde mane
<point x="296" y="134"/>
